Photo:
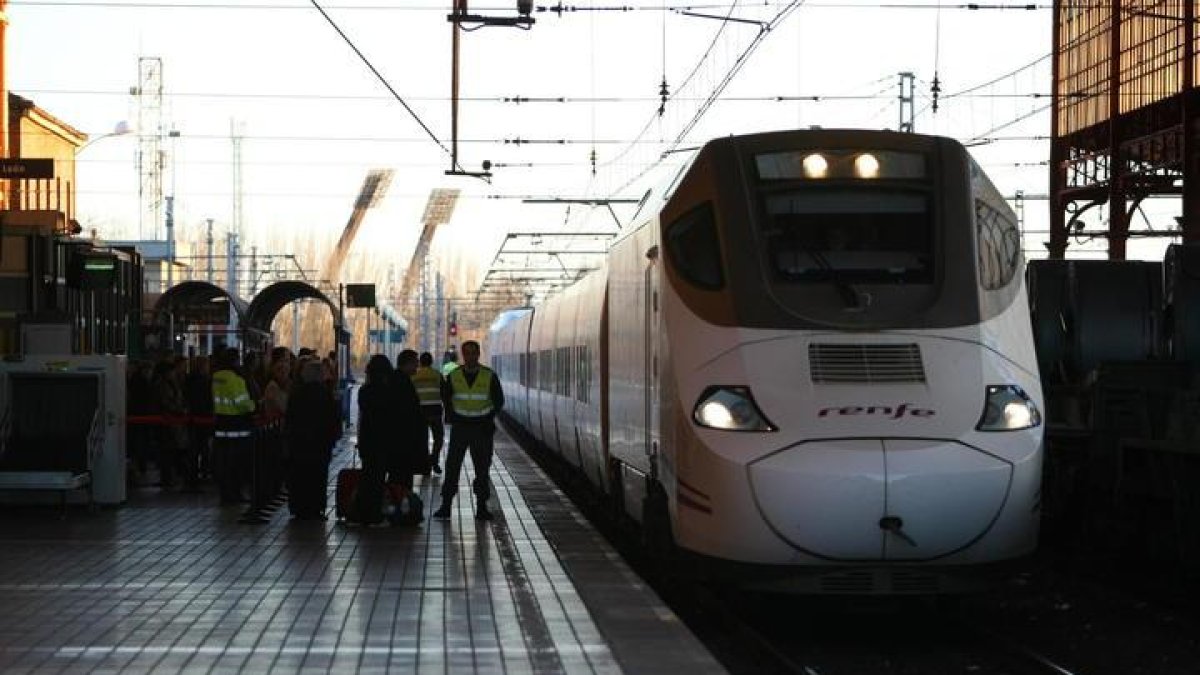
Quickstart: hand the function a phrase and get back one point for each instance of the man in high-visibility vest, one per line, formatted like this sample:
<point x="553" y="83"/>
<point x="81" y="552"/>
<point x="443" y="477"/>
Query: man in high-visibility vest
<point x="473" y="397"/>
<point x="233" y="425"/>
<point x="449" y="361"/>
<point x="429" y="389"/>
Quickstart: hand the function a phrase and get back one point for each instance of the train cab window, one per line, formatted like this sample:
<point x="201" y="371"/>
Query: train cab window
<point x="694" y="249"/>
<point x="999" y="246"/>
<point x="874" y="235"/>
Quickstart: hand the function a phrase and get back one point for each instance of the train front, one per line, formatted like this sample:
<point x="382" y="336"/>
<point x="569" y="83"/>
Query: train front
<point x="851" y="374"/>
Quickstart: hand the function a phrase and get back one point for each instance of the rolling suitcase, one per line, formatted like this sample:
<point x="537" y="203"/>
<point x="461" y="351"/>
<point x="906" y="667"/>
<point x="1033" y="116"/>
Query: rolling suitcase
<point x="347" y="485"/>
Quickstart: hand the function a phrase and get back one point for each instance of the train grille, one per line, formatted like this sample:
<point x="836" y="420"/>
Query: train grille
<point x="858" y="581"/>
<point x="865" y="363"/>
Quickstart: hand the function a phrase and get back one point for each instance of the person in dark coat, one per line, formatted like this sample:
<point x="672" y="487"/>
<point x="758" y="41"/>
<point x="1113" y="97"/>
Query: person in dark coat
<point x="197" y="391"/>
<point x="377" y="405"/>
<point x="140" y="397"/>
<point x="411" y="427"/>
<point x="311" y="426"/>
<point x="169" y="402"/>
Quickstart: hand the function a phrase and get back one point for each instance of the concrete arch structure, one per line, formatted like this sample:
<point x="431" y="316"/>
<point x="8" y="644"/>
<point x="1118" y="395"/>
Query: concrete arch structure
<point x="192" y="299"/>
<point x="266" y="305"/>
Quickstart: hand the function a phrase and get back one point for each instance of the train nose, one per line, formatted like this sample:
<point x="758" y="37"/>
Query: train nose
<point x="880" y="499"/>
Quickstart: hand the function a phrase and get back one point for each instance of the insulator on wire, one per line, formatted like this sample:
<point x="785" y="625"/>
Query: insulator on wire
<point x="663" y="94"/>
<point x="592" y="156"/>
<point x="935" y="90"/>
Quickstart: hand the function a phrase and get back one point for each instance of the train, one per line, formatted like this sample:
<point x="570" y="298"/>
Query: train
<point x="807" y="366"/>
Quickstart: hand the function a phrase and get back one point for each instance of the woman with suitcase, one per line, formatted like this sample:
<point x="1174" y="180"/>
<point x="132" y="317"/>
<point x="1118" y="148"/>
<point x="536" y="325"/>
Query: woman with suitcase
<point x="311" y="425"/>
<point x="377" y="404"/>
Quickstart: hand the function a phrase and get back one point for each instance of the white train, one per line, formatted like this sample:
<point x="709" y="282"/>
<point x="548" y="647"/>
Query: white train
<point x="809" y="366"/>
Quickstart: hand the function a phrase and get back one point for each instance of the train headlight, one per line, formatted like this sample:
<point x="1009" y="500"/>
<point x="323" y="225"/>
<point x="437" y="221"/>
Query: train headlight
<point x="1008" y="408"/>
<point x="730" y="408"/>
<point x="866" y="166"/>
<point x="815" y="166"/>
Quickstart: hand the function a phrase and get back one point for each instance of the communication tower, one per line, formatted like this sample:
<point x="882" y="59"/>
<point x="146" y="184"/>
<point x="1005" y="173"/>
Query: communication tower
<point x="149" y="94"/>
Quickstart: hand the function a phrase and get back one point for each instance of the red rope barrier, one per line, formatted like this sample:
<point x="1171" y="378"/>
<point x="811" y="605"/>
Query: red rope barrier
<point x="194" y="420"/>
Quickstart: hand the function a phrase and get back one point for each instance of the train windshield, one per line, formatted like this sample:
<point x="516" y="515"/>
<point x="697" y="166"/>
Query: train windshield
<point x="851" y="234"/>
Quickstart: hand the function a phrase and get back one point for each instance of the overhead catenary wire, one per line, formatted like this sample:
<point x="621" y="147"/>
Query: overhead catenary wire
<point x="550" y="99"/>
<point x="558" y="9"/>
<point x="380" y="77"/>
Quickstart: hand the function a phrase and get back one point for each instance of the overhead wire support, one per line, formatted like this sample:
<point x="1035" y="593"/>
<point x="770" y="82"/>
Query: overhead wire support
<point x="762" y="25"/>
<point x="461" y="19"/>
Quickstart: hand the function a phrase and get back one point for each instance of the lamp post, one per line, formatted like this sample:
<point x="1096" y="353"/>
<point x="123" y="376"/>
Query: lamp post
<point x="122" y="128"/>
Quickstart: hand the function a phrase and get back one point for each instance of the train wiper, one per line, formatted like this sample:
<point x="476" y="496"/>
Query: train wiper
<point x="849" y="293"/>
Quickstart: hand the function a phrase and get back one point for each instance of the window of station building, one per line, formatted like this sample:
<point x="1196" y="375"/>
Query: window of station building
<point x="999" y="246"/>
<point x="694" y="248"/>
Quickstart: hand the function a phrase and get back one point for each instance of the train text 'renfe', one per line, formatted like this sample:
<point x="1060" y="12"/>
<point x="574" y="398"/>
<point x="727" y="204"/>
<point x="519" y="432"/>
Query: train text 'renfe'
<point x="894" y="412"/>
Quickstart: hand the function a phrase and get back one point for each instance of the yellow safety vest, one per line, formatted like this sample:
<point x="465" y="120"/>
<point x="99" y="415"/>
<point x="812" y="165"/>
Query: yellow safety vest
<point x="472" y="400"/>
<point x="232" y="405"/>
<point x="429" y="386"/>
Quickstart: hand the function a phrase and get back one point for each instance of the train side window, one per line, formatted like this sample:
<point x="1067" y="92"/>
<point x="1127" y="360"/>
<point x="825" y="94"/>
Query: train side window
<point x="694" y="248"/>
<point x="999" y="246"/>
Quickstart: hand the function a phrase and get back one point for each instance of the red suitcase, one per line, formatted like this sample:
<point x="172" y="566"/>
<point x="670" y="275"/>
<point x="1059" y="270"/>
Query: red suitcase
<point x="347" y="484"/>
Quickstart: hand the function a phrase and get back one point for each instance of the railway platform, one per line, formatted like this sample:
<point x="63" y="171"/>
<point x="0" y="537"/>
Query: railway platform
<point x="172" y="582"/>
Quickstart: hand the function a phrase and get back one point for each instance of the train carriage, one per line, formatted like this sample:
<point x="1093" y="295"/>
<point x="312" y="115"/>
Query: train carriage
<point x="816" y="365"/>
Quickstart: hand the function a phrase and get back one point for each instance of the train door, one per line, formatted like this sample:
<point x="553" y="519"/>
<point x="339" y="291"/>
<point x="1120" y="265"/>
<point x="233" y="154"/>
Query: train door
<point x="651" y="310"/>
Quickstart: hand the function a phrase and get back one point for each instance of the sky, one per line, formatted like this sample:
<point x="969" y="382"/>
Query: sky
<point x="314" y="118"/>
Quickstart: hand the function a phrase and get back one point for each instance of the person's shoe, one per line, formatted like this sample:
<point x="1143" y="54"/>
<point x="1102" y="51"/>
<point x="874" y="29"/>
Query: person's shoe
<point x="443" y="512"/>
<point x="482" y="513"/>
<point x="437" y="468"/>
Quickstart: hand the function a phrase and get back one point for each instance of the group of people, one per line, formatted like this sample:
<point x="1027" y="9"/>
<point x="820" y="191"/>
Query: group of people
<point x="196" y="420"/>
<point x="205" y="425"/>
<point x="399" y="409"/>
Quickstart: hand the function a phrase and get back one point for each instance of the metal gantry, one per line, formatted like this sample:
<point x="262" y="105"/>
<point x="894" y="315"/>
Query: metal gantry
<point x="1125" y="119"/>
<point x="531" y="265"/>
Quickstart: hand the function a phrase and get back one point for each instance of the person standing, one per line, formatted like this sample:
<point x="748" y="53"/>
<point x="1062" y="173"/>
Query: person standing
<point x="311" y="425"/>
<point x="197" y="390"/>
<point x="412" y="456"/>
<point x="377" y="405"/>
<point x="429" y="388"/>
<point x="232" y="425"/>
<point x="449" y="361"/>
<point x="172" y="437"/>
<point x="473" y="397"/>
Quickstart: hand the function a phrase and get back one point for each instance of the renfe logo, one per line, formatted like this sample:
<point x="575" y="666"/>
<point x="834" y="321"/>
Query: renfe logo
<point x="886" y="410"/>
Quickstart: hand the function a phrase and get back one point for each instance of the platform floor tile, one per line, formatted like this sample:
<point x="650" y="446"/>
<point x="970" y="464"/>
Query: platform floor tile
<point x="173" y="583"/>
